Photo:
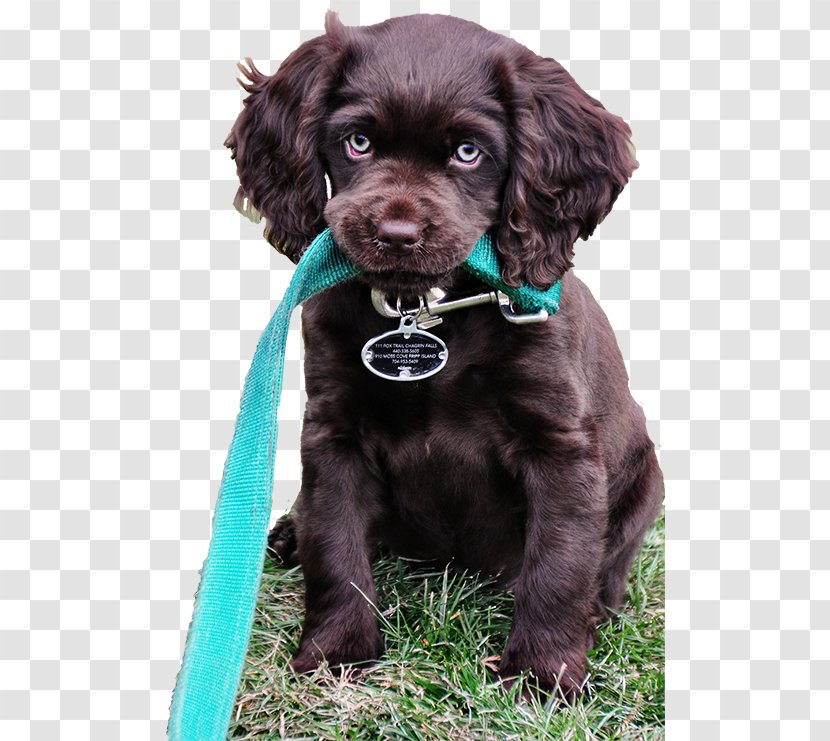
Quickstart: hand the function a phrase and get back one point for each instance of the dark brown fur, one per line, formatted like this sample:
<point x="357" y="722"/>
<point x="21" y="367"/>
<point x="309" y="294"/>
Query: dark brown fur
<point x="526" y="456"/>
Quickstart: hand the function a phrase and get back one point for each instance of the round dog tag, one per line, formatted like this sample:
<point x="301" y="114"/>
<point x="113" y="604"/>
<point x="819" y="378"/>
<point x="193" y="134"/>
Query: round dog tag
<point x="406" y="354"/>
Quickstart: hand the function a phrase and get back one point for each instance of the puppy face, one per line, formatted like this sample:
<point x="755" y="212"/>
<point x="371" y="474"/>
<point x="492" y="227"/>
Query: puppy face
<point x="432" y="131"/>
<point x="416" y="146"/>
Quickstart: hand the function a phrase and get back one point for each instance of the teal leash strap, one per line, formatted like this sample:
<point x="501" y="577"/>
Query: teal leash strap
<point x="223" y="613"/>
<point x="224" y="609"/>
<point x="483" y="263"/>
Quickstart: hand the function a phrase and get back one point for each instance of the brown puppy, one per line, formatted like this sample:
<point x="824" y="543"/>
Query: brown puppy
<point x="526" y="456"/>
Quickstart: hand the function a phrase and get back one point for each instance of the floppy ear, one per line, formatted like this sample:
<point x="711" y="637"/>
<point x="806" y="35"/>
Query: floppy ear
<point x="275" y="143"/>
<point x="569" y="160"/>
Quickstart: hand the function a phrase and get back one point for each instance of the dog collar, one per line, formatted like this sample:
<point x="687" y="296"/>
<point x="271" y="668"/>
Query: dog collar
<point x="436" y="302"/>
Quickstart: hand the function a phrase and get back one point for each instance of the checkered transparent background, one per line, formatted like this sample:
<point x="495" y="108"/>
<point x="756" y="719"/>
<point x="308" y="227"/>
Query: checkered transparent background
<point x="132" y="295"/>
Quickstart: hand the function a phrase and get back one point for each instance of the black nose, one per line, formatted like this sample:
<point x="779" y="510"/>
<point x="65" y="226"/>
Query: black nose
<point x="398" y="237"/>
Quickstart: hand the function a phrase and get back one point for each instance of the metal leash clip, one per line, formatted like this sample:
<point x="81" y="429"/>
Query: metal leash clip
<point x="436" y="302"/>
<point x="508" y="311"/>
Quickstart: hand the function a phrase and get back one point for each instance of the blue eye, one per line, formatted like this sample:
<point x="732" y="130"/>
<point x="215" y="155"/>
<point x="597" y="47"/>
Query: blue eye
<point x="467" y="153"/>
<point x="358" y="144"/>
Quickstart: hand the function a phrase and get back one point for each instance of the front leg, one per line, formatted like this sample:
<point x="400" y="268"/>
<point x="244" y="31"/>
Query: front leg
<point x="556" y="590"/>
<point x="338" y="507"/>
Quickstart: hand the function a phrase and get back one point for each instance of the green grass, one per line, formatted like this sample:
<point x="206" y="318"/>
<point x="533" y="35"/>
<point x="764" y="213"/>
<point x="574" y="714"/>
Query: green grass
<point x="443" y="634"/>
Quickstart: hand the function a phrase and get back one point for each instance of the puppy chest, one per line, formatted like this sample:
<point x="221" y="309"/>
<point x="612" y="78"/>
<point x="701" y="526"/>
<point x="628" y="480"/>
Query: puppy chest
<point x="448" y="496"/>
<point x="451" y="470"/>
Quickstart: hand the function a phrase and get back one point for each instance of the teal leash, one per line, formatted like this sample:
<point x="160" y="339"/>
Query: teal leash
<point x="223" y="612"/>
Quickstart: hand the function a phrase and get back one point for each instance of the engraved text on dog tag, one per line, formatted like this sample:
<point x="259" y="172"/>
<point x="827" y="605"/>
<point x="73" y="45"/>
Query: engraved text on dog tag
<point x="406" y="354"/>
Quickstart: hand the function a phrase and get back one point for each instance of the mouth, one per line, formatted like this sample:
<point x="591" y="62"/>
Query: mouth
<point x="406" y="272"/>
<point x="404" y="283"/>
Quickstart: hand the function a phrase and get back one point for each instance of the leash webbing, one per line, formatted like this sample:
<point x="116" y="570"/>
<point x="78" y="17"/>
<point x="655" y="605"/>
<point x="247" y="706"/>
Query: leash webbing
<point x="217" y="640"/>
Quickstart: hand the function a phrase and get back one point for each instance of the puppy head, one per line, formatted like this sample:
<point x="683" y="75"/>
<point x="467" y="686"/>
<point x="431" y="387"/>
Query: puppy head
<point x="432" y="131"/>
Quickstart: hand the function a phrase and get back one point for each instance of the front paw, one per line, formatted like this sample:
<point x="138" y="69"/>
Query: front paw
<point x="338" y="643"/>
<point x="549" y="671"/>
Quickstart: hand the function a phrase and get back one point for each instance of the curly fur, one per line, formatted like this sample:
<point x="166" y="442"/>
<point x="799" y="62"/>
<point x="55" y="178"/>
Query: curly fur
<point x="275" y="144"/>
<point x="571" y="161"/>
